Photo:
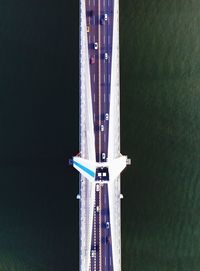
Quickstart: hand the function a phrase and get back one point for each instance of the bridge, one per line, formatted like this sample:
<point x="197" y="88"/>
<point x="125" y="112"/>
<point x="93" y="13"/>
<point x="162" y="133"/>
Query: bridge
<point x="99" y="161"/>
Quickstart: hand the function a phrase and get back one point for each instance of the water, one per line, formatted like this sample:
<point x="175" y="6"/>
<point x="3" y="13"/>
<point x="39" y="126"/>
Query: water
<point x="160" y="130"/>
<point x="160" y="124"/>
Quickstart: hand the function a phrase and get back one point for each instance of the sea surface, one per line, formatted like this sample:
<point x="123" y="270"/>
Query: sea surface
<point x="160" y="131"/>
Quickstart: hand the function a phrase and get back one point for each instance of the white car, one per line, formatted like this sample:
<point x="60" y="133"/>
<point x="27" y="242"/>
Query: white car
<point x="96" y="45"/>
<point x="98" y="208"/>
<point x="106" y="116"/>
<point x="102" y="127"/>
<point x="105" y="16"/>
<point x="97" y="187"/>
<point x="92" y="253"/>
<point x="103" y="155"/>
<point x="107" y="225"/>
<point x="106" y="56"/>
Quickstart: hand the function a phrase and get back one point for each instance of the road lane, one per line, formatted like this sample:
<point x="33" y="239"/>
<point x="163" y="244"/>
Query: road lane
<point x="100" y="72"/>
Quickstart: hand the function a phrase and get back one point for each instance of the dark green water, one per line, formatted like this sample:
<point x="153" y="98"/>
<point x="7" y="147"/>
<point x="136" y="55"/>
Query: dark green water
<point x="160" y="131"/>
<point x="160" y="101"/>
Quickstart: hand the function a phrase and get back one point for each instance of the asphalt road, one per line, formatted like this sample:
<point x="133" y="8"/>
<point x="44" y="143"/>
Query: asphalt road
<point x="100" y="32"/>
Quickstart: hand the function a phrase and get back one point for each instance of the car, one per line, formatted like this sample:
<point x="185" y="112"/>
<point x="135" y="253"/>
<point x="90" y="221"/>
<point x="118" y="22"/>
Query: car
<point x="88" y="28"/>
<point x="96" y="45"/>
<point x="103" y="155"/>
<point x="107" y="225"/>
<point x="105" y="17"/>
<point x="92" y="253"/>
<point x="102" y="127"/>
<point x="97" y="187"/>
<point x="106" y="116"/>
<point x="92" y="59"/>
<point x="106" y="56"/>
<point x="98" y="208"/>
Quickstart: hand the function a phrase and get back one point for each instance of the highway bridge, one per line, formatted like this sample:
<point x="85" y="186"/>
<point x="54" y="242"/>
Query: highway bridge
<point x="99" y="161"/>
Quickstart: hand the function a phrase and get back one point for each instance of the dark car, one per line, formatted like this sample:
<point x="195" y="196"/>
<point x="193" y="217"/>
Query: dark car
<point x="92" y="59"/>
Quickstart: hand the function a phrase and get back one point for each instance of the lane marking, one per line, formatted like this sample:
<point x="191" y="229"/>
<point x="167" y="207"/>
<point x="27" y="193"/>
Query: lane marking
<point x="100" y="237"/>
<point x="100" y="200"/>
<point x="95" y="258"/>
<point x="99" y="51"/>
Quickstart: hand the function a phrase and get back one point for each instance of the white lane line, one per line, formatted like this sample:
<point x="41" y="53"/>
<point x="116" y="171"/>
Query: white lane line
<point x="104" y="40"/>
<point x="104" y="97"/>
<point x="108" y="2"/>
<point x="109" y="78"/>
<point x="105" y="261"/>
<point x="100" y="236"/>
<point x="94" y="116"/>
<point x="99" y="70"/>
<point x="104" y="78"/>
<point x="95" y="236"/>
<point x="94" y="38"/>
<point x="110" y="261"/>
<point x="89" y="2"/>
<point x="104" y="3"/>
<point x="89" y="38"/>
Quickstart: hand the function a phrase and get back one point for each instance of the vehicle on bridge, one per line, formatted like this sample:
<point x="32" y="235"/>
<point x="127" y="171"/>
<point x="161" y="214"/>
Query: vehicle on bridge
<point x="104" y="18"/>
<point x="92" y="59"/>
<point x="97" y="187"/>
<point x="103" y="155"/>
<point x="106" y="116"/>
<point x="107" y="225"/>
<point x="93" y="253"/>
<point x="106" y="56"/>
<point x="102" y="128"/>
<point x="97" y="208"/>
<point x="96" y="46"/>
